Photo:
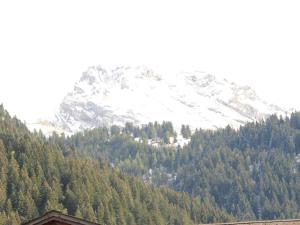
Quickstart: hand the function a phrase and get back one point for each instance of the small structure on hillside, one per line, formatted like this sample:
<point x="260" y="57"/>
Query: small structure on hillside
<point x="58" y="218"/>
<point x="263" y="222"/>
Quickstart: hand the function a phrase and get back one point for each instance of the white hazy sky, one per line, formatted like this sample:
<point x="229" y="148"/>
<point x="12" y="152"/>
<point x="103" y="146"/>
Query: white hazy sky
<point x="46" y="45"/>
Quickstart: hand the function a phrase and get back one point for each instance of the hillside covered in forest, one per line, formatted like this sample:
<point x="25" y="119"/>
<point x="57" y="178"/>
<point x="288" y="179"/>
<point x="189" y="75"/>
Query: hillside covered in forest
<point x="40" y="174"/>
<point x="252" y="173"/>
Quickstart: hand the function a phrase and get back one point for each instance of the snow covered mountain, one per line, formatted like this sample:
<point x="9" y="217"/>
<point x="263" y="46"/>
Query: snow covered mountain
<point x="106" y="96"/>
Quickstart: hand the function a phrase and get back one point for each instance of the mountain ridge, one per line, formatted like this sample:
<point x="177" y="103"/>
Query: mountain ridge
<point x="113" y="96"/>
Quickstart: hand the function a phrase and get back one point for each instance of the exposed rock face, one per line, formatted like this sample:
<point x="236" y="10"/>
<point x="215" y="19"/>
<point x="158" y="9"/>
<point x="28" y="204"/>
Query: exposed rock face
<point x="106" y="96"/>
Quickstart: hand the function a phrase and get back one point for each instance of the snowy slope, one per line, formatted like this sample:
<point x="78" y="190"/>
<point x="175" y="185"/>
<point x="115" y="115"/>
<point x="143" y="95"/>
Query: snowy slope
<point x="47" y="128"/>
<point x="106" y="96"/>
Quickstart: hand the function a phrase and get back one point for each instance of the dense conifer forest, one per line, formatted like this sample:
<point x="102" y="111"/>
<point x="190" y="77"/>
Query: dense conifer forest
<point x="252" y="173"/>
<point x="109" y="175"/>
<point x="39" y="174"/>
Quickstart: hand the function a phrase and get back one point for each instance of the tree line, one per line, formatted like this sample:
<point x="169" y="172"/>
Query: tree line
<point x="252" y="172"/>
<point x="38" y="174"/>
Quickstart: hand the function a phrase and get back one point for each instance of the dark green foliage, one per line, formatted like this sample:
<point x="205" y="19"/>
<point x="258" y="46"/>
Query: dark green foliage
<point x="186" y="131"/>
<point x="38" y="175"/>
<point x="153" y="131"/>
<point x="252" y="172"/>
<point x="295" y="120"/>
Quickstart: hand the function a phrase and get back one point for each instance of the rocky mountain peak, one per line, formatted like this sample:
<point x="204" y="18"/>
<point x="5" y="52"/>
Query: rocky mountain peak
<point x="105" y="96"/>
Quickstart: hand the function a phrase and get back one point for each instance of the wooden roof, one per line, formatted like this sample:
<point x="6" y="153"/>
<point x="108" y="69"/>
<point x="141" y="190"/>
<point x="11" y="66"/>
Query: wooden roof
<point x="57" y="218"/>
<point x="263" y="222"/>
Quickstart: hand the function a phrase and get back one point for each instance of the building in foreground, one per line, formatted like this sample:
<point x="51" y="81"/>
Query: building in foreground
<point x="57" y="218"/>
<point x="263" y="222"/>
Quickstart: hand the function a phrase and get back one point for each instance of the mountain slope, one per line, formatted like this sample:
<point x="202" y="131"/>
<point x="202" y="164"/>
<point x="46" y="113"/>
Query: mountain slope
<point x="39" y="174"/>
<point x="106" y="96"/>
<point x="252" y="173"/>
